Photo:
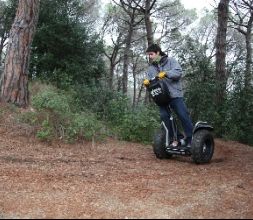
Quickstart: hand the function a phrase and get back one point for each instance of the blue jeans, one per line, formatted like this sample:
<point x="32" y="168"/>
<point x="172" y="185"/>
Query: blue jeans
<point x="179" y="107"/>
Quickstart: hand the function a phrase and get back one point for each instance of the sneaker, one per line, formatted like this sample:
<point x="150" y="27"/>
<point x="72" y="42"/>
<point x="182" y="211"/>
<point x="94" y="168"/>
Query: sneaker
<point x="174" y="144"/>
<point x="182" y="142"/>
<point x="185" y="143"/>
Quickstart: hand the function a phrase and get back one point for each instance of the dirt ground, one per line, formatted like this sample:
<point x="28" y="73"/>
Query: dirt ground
<point x="116" y="179"/>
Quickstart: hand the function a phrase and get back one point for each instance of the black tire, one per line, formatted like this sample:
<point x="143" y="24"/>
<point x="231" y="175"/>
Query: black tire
<point x="159" y="145"/>
<point x="202" y="146"/>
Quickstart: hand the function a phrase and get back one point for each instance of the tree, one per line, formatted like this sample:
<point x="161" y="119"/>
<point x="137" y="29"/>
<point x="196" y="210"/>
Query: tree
<point x="241" y="98"/>
<point x="131" y="24"/>
<point x="14" y="81"/>
<point x="7" y="15"/>
<point x="243" y="21"/>
<point x="221" y="73"/>
<point x="221" y="76"/>
<point x="111" y="28"/>
<point x="65" y="51"/>
<point x="145" y="7"/>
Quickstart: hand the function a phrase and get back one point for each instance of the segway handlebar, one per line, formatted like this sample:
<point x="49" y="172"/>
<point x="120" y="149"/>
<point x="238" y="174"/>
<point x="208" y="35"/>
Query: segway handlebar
<point x="160" y="75"/>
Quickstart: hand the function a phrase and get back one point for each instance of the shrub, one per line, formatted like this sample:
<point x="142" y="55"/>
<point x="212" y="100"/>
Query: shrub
<point x="51" y="100"/>
<point x="85" y="126"/>
<point x="55" y="118"/>
<point x="64" y="115"/>
<point x="46" y="131"/>
<point x="107" y="104"/>
<point x="139" y="125"/>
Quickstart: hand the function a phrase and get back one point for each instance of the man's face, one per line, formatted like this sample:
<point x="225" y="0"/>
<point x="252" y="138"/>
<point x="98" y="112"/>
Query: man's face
<point x="152" y="55"/>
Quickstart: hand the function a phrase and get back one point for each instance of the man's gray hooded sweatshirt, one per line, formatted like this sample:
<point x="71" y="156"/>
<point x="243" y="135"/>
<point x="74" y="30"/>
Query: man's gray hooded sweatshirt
<point x="174" y="73"/>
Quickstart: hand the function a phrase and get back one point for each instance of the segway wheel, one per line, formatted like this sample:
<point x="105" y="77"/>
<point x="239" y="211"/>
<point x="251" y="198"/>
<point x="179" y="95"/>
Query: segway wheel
<point x="202" y="146"/>
<point x="159" y="145"/>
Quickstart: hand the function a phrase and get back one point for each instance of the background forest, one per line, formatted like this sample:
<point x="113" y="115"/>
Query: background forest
<point x="88" y="62"/>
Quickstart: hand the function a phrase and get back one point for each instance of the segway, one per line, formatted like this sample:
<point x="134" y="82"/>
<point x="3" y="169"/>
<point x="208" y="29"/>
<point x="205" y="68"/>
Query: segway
<point x="202" y="145"/>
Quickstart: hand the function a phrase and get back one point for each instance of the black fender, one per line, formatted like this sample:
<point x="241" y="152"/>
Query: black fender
<point x="202" y="125"/>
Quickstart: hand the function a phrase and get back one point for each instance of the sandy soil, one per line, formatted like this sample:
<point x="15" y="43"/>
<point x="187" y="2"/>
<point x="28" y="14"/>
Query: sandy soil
<point x="116" y="179"/>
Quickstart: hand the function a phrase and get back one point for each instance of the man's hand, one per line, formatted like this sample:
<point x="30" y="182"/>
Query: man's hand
<point x="146" y="82"/>
<point x="162" y="75"/>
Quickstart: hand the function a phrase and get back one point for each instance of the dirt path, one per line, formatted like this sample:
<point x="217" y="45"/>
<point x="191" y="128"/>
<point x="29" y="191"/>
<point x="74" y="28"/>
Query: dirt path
<point x="121" y="180"/>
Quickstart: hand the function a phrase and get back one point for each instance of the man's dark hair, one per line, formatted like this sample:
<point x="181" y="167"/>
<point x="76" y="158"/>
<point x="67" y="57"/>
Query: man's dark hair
<point x="155" y="48"/>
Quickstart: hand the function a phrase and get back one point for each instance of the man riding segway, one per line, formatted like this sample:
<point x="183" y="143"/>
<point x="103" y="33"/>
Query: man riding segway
<point x="169" y="69"/>
<point x="163" y="81"/>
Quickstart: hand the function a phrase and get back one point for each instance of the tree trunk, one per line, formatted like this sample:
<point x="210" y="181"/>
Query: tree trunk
<point x="139" y="95"/>
<point x="221" y="75"/>
<point x="148" y="23"/>
<point x="14" y="81"/>
<point x="2" y="44"/>
<point x="248" y="71"/>
<point x="1" y="51"/>
<point x="111" y="74"/>
<point x="127" y="54"/>
<point x="134" y="95"/>
<point x="135" y="65"/>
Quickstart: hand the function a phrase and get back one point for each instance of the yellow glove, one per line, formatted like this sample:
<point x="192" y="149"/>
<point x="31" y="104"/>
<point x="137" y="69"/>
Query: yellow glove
<point x="146" y="82"/>
<point x="162" y="75"/>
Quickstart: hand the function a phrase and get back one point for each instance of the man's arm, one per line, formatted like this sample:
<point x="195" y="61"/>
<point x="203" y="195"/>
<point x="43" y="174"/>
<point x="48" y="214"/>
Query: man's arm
<point x="173" y="69"/>
<point x="151" y="72"/>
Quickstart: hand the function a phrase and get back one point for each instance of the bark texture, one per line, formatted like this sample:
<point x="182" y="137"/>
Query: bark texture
<point x="14" y="81"/>
<point x="221" y="75"/>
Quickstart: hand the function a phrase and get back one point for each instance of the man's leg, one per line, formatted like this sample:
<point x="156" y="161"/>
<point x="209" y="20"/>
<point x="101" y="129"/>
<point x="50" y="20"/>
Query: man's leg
<point x="180" y="109"/>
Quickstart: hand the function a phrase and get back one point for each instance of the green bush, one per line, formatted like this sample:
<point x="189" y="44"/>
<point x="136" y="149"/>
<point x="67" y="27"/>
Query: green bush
<point x="139" y="125"/>
<point x="115" y="109"/>
<point x="51" y="100"/>
<point x="107" y="104"/>
<point x="239" y="126"/>
<point x="84" y="125"/>
<point x="64" y="115"/>
<point x="45" y="133"/>
<point x="55" y="116"/>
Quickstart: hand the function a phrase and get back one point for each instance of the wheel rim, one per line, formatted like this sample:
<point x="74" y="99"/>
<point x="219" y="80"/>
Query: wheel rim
<point x="207" y="147"/>
<point x="204" y="148"/>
